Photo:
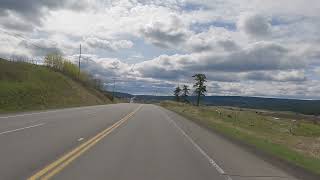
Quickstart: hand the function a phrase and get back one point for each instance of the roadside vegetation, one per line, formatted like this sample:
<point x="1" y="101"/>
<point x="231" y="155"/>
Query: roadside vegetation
<point x="292" y="137"/>
<point x="284" y="135"/>
<point x="25" y="86"/>
<point x="56" y="62"/>
<point x="200" y="89"/>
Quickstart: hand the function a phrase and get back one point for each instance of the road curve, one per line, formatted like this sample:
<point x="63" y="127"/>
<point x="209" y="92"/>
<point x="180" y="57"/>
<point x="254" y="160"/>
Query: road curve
<point x="119" y="142"/>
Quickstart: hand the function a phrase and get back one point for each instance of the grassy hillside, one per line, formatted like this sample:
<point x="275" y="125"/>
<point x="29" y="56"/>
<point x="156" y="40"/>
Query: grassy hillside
<point x="26" y="86"/>
<point x="289" y="138"/>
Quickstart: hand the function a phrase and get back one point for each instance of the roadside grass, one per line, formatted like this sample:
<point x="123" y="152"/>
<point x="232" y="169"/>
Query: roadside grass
<point x="296" y="141"/>
<point x="25" y="87"/>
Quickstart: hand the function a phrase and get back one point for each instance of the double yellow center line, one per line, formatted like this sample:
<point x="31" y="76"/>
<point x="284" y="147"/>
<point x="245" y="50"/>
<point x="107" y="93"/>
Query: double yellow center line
<point x="58" y="165"/>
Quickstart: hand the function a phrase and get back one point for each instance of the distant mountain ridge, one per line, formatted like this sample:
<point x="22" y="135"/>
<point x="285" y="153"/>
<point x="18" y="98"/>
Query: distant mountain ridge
<point x="310" y="107"/>
<point x="123" y="95"/>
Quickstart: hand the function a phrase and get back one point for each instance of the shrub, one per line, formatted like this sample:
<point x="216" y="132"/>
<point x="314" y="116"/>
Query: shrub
<point x="56" y="62"/>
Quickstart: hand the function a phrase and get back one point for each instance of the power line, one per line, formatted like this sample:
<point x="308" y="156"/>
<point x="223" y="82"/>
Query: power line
<point x="29" y="41"/>
<point x="20" y="37"/>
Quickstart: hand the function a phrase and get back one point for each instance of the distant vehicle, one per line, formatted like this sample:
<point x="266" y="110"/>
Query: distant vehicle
<point x="132" y="99"/>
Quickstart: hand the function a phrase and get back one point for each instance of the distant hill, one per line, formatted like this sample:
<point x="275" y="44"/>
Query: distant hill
<point x="25" y="86"/>
<point x="123" y="95"/>
<point x="311" y="107"/>
<point x="152" y="99"/>
<point x="299" y="106"/>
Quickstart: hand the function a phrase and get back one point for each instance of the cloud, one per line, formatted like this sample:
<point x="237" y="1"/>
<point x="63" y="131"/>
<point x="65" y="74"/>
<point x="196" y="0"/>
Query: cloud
<point x="109" y="45"/>
<point x="28" y="15"/>
<point x="257" y="57"/>
<point x="15" y="23"/>
<point x="106" y="68"/>
<point x="281" y="76"/>
<point x="214" y="39"/>
<point x="27" y="48"/>
<point x="166" y="34"/>
<point x="30" y="8"/>
<point x="292" y="7"/>
<point x="128" y="79"/>
<point x="41" y="47"/>
<point x="255" y="25"/>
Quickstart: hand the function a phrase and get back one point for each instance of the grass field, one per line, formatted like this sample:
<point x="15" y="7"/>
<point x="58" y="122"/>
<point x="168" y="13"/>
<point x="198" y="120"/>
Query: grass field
<point x="25" y="86"/>
<point x="284" y="135"/>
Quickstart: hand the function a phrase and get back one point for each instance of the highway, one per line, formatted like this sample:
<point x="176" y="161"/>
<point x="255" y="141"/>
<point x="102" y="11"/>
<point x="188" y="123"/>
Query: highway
<point x="121" y="142"/>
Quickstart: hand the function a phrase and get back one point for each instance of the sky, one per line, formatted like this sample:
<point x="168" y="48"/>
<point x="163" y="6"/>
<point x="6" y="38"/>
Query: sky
<point x="244" y="47"/>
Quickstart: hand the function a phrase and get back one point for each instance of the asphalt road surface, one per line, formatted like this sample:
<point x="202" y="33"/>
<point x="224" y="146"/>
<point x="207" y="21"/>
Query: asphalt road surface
<point x="121" y="142"/>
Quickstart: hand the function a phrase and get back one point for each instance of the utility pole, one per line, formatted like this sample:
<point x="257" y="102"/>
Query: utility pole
<point x="114" y="86"/>
<point x="79" y="63"/>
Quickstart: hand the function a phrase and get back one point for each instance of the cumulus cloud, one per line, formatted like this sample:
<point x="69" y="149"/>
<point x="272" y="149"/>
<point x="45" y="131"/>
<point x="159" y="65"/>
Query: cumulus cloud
<point x="257" y="57"/>
<point x="255" y="25"/>
<point x="40" y="47"/>
<point x="281" y="76"/>
<point x="15" y="23"/>
<point x="292" y="7"/>
<point x="169" y="33"/>
<point x="109" y="45"/>
<point x="214" y="39"/>
<point x="18" y="46"/>
<point x="32" y="9"/>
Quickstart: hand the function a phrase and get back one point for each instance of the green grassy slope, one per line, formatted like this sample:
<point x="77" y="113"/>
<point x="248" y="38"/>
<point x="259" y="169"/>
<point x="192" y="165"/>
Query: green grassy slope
<point x="25" y="87"/>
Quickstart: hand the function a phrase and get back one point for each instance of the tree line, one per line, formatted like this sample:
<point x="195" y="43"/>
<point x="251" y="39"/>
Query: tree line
<point x="57" y="62"/>
<point x="181" y="94"/>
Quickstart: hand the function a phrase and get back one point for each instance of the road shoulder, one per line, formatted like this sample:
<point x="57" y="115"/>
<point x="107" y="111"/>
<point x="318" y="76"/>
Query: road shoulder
<point x="206" y="137"/>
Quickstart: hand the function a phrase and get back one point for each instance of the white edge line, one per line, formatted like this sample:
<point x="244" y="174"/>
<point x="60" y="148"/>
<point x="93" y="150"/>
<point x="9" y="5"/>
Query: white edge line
<point x="50" y="111"/>
<point x="29" y="114"/>
<point x="218" y="168"/>
<point x="28" y="127"/>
